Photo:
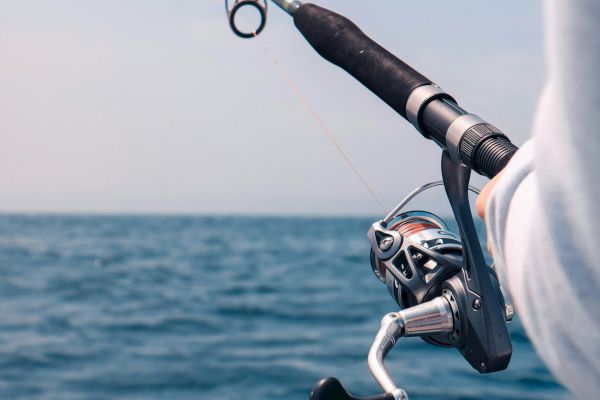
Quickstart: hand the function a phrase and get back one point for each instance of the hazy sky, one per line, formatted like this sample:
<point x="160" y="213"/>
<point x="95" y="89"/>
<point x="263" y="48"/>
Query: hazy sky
<point x="155" y="106"/>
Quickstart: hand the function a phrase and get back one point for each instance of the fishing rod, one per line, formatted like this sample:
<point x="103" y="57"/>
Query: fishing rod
<point x="447" y="293"/>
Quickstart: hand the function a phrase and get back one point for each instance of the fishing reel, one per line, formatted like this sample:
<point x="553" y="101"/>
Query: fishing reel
<point x="447" y="293"/>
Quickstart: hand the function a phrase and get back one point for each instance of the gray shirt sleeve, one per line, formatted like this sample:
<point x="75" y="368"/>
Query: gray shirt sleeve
<point x="543" y="213"/>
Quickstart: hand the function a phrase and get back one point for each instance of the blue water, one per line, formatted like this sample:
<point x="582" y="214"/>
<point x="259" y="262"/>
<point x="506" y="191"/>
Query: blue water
<point x="212" y="308"/>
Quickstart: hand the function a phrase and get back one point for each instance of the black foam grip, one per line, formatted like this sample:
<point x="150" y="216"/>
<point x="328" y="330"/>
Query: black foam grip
<point x="338" y="40"/>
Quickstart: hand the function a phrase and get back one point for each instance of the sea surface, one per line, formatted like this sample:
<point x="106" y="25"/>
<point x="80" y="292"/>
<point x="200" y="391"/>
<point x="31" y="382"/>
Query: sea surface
<point x="228" y="308"/>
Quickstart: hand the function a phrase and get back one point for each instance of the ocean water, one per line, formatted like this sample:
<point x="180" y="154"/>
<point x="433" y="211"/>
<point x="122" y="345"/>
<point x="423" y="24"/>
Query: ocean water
<point x="102" y="307"/>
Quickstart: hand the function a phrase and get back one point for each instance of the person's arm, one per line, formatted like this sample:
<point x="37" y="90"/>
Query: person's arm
<point x="543" y="214"/>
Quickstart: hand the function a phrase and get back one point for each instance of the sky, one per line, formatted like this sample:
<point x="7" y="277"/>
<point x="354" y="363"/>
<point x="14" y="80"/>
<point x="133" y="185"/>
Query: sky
<point x="120" y="106"/>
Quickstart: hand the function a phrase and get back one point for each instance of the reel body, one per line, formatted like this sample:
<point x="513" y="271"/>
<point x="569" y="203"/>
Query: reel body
<point x="428" y="255"/>
<point x="420" y="260"/>
<point x="447" y="293"/>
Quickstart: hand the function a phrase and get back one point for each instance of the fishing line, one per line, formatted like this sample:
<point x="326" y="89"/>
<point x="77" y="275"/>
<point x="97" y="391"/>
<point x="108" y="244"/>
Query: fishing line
<point x="311" y="110"/>
<point x="308" y="106"/>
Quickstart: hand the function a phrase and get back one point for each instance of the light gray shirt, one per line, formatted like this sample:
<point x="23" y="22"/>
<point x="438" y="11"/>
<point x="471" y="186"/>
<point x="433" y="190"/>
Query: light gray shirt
<point x="544" y="214"/>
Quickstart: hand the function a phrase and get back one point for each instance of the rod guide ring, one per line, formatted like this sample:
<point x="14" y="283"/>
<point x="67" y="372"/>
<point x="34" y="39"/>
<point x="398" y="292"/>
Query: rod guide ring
<point x="238" y="5"/>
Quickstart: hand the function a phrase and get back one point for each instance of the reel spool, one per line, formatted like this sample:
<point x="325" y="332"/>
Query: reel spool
<point x="259" y="6"/>
<point x="426" y="230"/>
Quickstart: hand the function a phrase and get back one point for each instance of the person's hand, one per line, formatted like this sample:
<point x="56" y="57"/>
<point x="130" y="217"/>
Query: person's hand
<point x="482" y="200"/>
<point x="483" y="197"/>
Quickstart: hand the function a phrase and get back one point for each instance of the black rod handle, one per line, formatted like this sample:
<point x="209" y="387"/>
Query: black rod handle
<point x="337" y="39"/>
<point x="340" y="41"/>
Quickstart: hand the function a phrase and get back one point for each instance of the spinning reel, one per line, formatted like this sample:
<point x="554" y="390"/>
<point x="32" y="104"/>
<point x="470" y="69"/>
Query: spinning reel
<point x="447" y="294"/>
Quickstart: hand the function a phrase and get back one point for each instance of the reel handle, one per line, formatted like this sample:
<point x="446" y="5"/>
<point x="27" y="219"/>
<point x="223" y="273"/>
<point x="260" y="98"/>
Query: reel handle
<point x="332" y="389"/>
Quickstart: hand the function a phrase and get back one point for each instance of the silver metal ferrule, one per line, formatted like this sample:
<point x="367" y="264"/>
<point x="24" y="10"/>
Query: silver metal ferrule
<point x="417" y="100"/>
<point x="289" y="6"/>
<point x="432" y="317"/>
<point x="455" y="132"/>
